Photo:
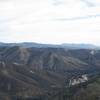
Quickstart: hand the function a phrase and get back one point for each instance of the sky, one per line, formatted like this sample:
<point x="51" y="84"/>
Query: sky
<point x="50" y="21"/>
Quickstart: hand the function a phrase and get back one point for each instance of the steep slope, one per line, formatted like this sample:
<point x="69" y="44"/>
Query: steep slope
<point x="56" y="59"/>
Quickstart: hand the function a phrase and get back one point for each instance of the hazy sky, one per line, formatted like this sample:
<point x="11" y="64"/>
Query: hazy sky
<point x="50" y="21"/>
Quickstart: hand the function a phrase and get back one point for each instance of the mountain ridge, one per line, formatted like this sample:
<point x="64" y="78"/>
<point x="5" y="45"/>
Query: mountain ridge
<point x="63" y="45"/>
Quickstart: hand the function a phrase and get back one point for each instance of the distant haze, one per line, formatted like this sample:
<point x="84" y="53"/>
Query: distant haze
<point x="39" y="45"/>
<point x="50" y="21"/>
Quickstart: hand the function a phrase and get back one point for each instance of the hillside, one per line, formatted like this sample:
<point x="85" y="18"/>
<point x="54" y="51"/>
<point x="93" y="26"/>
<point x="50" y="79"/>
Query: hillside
<point x="55" y="59"/>
<point x="41" y="72"/>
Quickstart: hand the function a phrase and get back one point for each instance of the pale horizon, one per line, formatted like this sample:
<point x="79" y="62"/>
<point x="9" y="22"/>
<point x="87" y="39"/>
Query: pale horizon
<point x="49" y="43"/>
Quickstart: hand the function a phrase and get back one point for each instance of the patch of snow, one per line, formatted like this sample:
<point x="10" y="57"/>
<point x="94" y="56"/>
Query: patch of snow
<point x="15" y="63"/>
<point x="31" y="71"/>
<point x="77" y="81"/>
<point x="92" y="52"/>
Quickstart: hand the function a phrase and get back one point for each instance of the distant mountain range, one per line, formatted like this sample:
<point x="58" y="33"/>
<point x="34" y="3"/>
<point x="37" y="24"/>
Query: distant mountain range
<point x="39" y="45"/>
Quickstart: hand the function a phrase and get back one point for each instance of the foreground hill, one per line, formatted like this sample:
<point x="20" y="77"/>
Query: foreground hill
<point x="38" y="72"/>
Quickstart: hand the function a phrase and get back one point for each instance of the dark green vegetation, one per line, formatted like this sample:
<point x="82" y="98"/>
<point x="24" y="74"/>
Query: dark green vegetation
<point x="42" y="73"/>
